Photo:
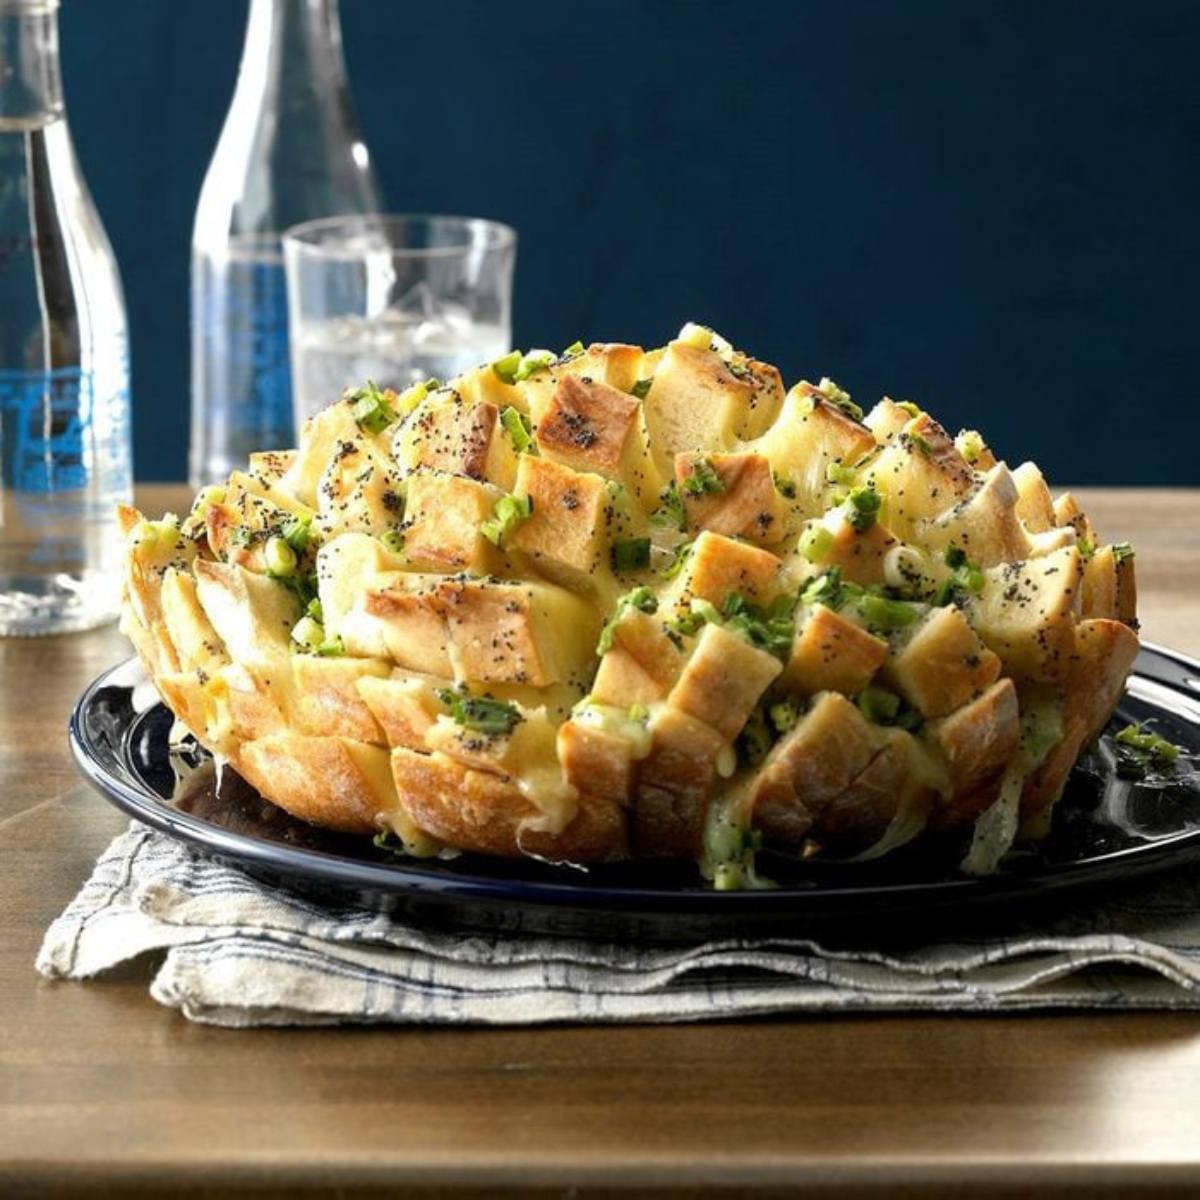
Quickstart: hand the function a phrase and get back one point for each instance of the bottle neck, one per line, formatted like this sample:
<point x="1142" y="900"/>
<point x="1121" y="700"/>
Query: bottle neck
<point x="30" y="81"/>
<point x="294" y="49"/>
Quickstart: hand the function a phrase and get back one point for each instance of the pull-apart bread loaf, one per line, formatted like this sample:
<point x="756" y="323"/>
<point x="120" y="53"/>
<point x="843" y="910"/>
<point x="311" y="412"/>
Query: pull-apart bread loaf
<point x="614" y="603"/>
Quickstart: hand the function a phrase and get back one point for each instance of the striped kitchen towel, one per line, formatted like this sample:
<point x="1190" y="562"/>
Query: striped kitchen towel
<point x="241" y="953"/>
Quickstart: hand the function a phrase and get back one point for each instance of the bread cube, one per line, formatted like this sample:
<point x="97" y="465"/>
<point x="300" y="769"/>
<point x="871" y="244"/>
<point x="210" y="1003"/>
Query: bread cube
<point x="815" y="761"/>
<point x="886" y="803"/>
<point x="1109" y="586"/>
<point x="596" y="761"/>
<point x="196" y="642"/>
<point x="488" y="813"/>
<point x="442" y="523"/>
<point x="673" y="785"/>
<point x="253" y="614"/>
<point x="1035" y="505"/>
<point x="886" y="420"/>
<point x="718" y="567"/>
<point x="322" y="437"/>
<point x="359" y="492"/>
<point x="642" y="665"/>
<point x="985" y="526"/>
<point x="920" y="474"/>
<point x="1104" y="655"/>
<point x="695" y="403"/>
<point x="809" y="434"/>
<point x="860" y="554"/>
<point x="1027" y="611"/>
<point x="1068" y="513"/>
<point x="766" y="395"/>
<point x="334" y="782"/>
<point x="397" y="615"/>
<point x="941" y="665"/>
<point x="587" y="425"/>
<point x="723" y="680"/>
<point x="747" y="504"/>
<point x="831" y="653"/>
<point x="532" y="633"/>
<point x="566" y="537"/>
<point x="404" y="705"/>
<point x="326" y="699"/>
<point x="446" y="433"/>
<point x="977" y="739"/>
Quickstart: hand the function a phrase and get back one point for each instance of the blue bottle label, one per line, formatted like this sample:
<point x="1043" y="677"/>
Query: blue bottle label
<point x="47" y="419"/>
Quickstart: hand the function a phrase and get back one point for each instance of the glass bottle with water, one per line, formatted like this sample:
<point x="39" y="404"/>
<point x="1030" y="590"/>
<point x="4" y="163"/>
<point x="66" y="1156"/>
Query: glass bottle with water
<point x="64" y="363"/>
<point x="289" y="151"/>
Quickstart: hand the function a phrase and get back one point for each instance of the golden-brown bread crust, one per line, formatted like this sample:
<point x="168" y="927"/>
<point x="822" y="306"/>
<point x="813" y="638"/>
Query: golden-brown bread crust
<point x="477" y="810"/>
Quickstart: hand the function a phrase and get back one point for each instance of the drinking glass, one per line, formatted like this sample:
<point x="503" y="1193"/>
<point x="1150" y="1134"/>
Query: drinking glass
<point x="394" y="299"/>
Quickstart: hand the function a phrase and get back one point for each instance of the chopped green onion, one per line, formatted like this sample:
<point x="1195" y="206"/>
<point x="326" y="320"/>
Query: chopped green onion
<point x="836" y="473"/>
<point x="754" y="742"/>
<point x="825" y="589"/>
<point x="670" y="512"/>
<point x="784" y="715"/>
<point x="884" y="614"/>
<point x="1122" y="551"/>
<point x="839" y="398"/>
<point x="863" y="507"/>
<point x="308" y="633"/>
<point x="393" y="541"/>
<point x="296" y="531"/>
<point x="480" y="713"/>
<point x="574" y="350"/>
<point x="675" y="566"/>
<point x="967" y="576"/>
<point x="508" y="513"/>
<point x="641" y="389"/>
<point x="1085" y="546"/>
<point x="518" y="427"/>
<point x="315" y="610"/>
<point x="372" y="408"/>
<point x="631" y="555"/>
<point x="972" y="578"/>
<point x="411" y="397"/>
<point x="703" y="478"/>
<point x="505" y="369"/>
<point x="878" y="704"/>
<point x="1140" y="749"/>
<point x="280" y="558"/>
<point x="641" y="598"/>
<point x="1149" y="742"/>
<point x="532" y="363"/>
<point x="969" y="443"/>
<point x="771" y="629"/>
<point x="331" y="648"/>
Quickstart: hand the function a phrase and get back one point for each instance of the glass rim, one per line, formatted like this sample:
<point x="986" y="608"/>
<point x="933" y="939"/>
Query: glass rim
<point x="306" y="236"/>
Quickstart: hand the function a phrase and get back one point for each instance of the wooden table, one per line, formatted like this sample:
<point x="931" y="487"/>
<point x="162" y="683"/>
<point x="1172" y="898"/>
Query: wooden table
<point x="101" y="1086"/>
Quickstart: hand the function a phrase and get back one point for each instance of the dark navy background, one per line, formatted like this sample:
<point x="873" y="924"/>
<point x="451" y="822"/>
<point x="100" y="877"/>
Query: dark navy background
<point x="991" y="208"/>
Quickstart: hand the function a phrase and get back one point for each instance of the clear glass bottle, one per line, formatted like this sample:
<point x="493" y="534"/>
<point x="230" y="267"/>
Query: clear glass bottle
<point x="64" y="359"/>
<point x="289" y="151"/>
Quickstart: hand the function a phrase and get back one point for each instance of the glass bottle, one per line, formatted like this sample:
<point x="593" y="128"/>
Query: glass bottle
<point x="289" y="151"/>
<point x="64" y="361"/>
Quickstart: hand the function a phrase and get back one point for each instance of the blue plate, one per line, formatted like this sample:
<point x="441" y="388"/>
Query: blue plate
<point x="1106" y="830"/>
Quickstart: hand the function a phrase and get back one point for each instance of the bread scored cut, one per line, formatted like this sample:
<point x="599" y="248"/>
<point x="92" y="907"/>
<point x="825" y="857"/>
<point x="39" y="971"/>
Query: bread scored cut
<point x="617" y="603"/>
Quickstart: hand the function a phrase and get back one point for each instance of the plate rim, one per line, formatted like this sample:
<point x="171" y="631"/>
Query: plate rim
<point x="404" y="879"/>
